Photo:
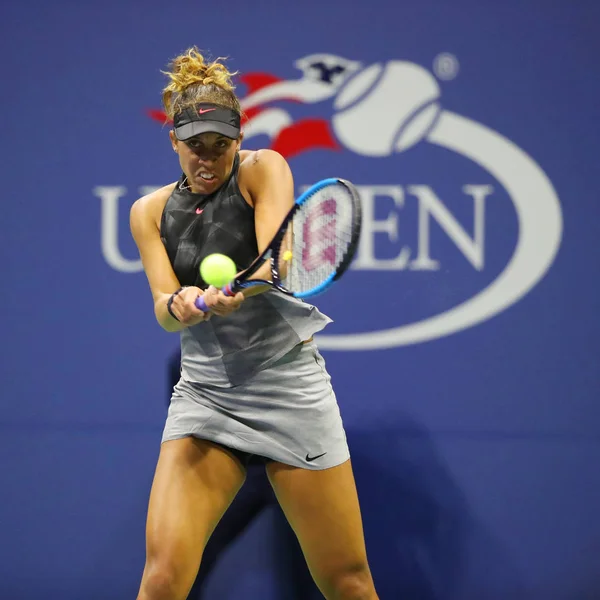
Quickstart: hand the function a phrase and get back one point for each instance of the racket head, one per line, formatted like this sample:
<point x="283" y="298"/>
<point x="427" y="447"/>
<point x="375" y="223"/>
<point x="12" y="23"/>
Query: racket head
<point x="314" y="245"/>
<point x="319" y="240"/>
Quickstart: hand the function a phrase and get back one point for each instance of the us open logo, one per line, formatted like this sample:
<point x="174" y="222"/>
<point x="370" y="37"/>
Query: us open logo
<point x="386" y="109"/>
<point x="382" y="111"/>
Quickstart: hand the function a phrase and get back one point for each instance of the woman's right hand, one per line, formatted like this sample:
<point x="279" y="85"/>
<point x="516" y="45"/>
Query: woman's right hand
<point x="185" y="309"/>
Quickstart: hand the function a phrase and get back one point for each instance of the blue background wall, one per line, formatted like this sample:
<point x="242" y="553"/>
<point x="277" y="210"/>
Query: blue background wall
<point x="476" y="451"/>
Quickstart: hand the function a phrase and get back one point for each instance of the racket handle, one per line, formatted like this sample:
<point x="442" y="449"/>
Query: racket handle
<point x="200" y="304"/>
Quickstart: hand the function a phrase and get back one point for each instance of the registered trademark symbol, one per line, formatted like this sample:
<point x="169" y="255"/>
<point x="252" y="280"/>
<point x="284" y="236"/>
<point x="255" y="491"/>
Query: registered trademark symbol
<point x="446" y="66"/>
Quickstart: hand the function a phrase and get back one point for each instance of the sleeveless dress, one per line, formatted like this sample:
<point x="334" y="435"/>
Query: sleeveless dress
<point x="252" y="381"/>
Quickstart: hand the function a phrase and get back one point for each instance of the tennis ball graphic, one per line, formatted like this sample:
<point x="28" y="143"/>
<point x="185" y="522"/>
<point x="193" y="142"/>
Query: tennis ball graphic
<point x="386" y="108"/>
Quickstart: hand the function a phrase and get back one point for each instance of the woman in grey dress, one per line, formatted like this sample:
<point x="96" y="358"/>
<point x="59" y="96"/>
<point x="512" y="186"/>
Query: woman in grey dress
<point x="253" y="383"/>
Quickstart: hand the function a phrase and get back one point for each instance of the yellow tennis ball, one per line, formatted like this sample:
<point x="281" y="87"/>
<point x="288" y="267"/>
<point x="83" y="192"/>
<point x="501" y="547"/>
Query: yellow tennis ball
<point x="217" y="270"/>
<point x="287" y="255"/>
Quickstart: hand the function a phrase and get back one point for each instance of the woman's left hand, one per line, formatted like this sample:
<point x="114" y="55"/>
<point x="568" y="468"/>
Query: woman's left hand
<point x="220" y="304"/>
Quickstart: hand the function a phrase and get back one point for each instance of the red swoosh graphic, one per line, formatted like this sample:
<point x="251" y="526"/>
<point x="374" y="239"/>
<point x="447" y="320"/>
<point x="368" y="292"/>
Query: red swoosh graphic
<point x="304" y="135"/>
<point x="158" y="115"/>
<point x="257" y="81"/>
<point x="251" y="113"/>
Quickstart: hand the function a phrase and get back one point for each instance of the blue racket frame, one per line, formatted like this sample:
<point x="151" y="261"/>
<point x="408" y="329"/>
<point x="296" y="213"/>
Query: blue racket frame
<point x="271" y="253"/>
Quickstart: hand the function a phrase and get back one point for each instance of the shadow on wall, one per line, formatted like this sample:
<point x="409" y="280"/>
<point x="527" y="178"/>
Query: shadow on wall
<point x="422" y="538"/>
<point x="580" y="579"/>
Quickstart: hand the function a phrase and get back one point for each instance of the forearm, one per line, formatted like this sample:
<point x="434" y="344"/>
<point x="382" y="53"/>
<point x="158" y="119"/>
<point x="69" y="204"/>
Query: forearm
<point x="263" y="273"/>
<point x="255" y="290"/>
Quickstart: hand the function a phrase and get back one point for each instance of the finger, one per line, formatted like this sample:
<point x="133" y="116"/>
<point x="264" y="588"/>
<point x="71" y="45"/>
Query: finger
<point x="224" y="308"/>
<point x="218" y="305"/>
<point x="194" y="315"/>
<point x="219" y="301"/>
<point x="228" y="300"/>
<point x="211" y="301"/>
<point x="208" y="296"/>
<point x="235" y="301"/>
<point x="233" y="305"/>
<point x="191" y="314"/>
<point x="185" y="301"/>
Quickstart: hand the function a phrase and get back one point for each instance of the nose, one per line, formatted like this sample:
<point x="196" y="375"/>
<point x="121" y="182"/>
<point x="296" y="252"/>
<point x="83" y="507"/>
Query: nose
<point x="206" y="156"/>
<point x="206" y="160"/>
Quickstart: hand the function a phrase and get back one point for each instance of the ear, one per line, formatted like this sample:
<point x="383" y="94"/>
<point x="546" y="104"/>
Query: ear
<point x="174" y="140"/>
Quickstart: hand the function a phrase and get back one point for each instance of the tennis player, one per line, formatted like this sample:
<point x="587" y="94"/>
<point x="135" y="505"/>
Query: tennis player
<point x="253" y="382"/>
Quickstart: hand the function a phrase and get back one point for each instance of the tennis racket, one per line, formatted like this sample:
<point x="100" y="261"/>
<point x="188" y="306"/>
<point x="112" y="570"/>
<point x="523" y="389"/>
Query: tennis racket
<point x="314" y="245"/>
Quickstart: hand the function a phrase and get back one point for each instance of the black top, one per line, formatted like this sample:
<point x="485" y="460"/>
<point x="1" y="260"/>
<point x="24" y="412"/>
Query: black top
<point x="196" y="225"/>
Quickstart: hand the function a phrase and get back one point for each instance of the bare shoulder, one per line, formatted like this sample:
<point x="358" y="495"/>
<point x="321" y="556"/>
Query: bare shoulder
<point x="152" y="205"/>
<point x="147" y="210"/>
<point x="264" y="156"/>
<point x="257" y="165"/>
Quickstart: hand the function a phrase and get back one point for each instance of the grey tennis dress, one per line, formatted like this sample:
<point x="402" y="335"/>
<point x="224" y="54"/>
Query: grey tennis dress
<point x="252" y="381"/>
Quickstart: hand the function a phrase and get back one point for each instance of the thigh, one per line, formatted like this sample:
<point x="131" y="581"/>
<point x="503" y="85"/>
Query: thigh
<point x="194" y="483"/>
<point x="245" y="508"/>
<point x="322" y="507"/>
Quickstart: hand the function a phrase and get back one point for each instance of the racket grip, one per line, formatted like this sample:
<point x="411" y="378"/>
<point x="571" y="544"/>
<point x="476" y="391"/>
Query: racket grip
<point x="200" y="304"/>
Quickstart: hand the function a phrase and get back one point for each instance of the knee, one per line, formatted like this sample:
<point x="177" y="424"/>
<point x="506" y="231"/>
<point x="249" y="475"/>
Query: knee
<point x="162" y="582"/>
<point x="353" y="583"/>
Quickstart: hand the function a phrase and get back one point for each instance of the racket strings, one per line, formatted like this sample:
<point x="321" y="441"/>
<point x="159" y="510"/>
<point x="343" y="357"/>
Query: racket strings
<point x="319" y="239"/>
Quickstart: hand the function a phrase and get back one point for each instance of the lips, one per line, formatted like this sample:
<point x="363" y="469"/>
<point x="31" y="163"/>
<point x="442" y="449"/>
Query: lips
<point x="208" y="177"/>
